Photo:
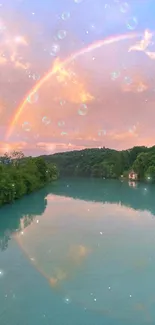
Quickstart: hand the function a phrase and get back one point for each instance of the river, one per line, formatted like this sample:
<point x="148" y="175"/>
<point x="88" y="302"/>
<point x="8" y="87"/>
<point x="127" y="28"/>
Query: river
<point x="80" y="251"/>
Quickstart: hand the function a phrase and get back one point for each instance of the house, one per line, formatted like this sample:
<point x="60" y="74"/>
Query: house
<point x="133" y="176"/>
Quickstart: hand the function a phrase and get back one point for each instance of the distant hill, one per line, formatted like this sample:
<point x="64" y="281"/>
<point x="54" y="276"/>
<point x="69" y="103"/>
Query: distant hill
<point x="105" y="162"/>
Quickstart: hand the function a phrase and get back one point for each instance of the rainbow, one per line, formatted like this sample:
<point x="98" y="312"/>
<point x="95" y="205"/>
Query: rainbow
<point x="59" y="65"/>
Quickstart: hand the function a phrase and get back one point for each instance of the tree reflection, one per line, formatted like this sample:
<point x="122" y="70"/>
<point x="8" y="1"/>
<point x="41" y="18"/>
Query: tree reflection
<point x="26" y="210"/>
<point x="139" y="197"/>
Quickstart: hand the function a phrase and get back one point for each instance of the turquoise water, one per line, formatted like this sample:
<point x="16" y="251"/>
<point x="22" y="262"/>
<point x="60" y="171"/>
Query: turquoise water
<point x="79" y="252"/>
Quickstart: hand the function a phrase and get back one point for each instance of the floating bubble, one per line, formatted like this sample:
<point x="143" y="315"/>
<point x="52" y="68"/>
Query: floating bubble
<point x="33" y="97"/>
<point x="2" y="27"/>
<point x="62" y="102"/>
<point x="61" y="123"/>
<point x="102" y="132"/>
<point x="55" y="49"/>
<point x="46" y="120"/>
<point x="36" y="136"/>
<point x="92" y="27"/>
<point x="65" y="15"/>
<point x="115" y="75"/>
<point x="83" y="110"/>
<point x="132" y="23"/>
<point x="62" y="34"/>
<point x="107" y="6"/>
<point x="78" y="1"/>
<point x="67" y="300"/>
<point x="63" y="133"/>
<point x="128" y="80"/>
<point x="26" y="126"/>
<point x="1" y="273"/>
<point x="35" y="76"/>
<point x="124" y="7"/>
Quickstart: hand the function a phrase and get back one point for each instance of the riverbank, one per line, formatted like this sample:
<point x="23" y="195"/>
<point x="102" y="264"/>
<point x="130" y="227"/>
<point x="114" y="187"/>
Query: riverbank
<point x="20" y="176"/>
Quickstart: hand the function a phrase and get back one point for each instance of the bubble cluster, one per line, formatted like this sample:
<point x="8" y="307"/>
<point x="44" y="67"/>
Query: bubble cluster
<point x="83" y="110"/>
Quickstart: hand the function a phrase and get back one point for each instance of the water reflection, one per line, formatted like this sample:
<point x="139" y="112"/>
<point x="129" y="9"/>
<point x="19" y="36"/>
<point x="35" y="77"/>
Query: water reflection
<point x="22" y="213"/>
<point x="93" y="241"/>
<point x="15" y="217"/>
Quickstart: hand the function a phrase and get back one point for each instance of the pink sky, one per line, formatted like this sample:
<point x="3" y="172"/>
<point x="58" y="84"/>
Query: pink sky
<point x="103" y="98"/>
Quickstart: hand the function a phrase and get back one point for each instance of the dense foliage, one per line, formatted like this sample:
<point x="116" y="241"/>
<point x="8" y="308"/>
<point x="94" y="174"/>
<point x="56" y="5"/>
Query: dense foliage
<point x="20" y="175"/>
<point x="106" y="163"/>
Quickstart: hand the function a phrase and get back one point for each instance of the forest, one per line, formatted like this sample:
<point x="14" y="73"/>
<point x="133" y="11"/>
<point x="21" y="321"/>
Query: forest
<point x="20" y="175"/>
<point x="106" y="163"/>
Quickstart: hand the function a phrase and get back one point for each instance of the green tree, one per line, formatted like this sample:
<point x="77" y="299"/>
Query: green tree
<point x="141" y="164"/>
<point x="20" y="175"/>
<point x="150" y="173"/>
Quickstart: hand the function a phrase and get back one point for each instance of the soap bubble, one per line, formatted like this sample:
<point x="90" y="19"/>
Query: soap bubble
<point x="35" y="76"/>
<point x="128" y="80"/>
<point x="36" y="136"/>
<point x="67" y="300"/>
<point x="63" y="133"/>
<point x="62" y="34"/>
<point x="101" y="132"/>
<point x="62" y="102"/>
<point x="124" y="7"/>
<point x="55" y="48"/>
<point x="115" y="75"/>
<point x="132" y="23"/>
<point x="61" y="123"/>
<point x="2" y="26"/>
<point x="65" y="15"/>
<point x="33" y="97"/>
<point x="46" y="120"/>
<point x="92" y="27"/>
<point x="1" y="273"/>
<point x="78" y="1"/>
<point x="83" y="110"/>
<point x="26" y="126"/>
